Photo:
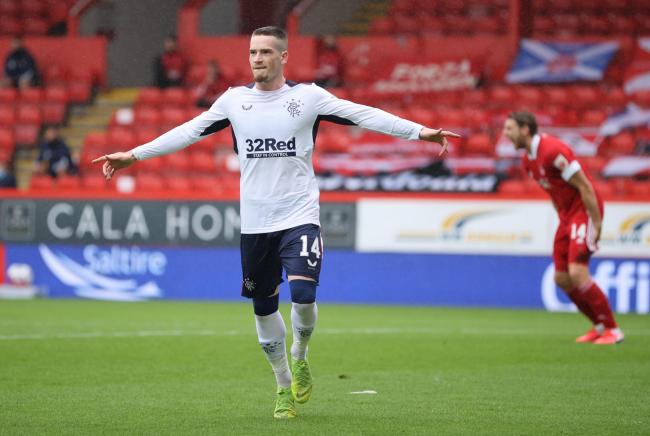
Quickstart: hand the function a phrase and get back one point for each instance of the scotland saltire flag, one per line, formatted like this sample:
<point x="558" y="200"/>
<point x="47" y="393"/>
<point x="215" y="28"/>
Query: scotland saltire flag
<point x="539" y="62"/>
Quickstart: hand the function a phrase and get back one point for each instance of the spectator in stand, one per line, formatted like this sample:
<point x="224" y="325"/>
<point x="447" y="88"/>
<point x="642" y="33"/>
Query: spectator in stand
<point x="329" y="64"/>
<point x="20" y="66"/>
<point x="7" y="179"/>
<point x="170" y="65"/>
<point x="214" y="84"/>
<point x="54" y="156"/>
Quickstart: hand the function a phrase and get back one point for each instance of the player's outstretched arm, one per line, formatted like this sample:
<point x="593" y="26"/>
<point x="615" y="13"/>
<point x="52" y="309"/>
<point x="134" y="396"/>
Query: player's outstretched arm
<point x="115" y="161"/>
<point x="438" y="135"/>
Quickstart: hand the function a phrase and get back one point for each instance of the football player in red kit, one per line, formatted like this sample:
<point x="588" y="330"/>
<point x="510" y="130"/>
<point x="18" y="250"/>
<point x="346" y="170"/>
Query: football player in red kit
<point x="553" y="165"/>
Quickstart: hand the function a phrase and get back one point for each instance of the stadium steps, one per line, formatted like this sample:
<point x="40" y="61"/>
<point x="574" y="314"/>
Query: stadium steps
<point x="83" y="119"/>
<point x="359" y="24"/>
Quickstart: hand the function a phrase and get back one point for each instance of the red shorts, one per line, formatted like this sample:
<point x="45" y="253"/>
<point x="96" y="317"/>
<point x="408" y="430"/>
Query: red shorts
<point x="574" y="241"/>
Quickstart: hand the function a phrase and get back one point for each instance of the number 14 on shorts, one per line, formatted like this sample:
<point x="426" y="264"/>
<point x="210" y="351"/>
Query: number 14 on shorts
<point x="579" y="232"/>
<point x="315" y="249"/>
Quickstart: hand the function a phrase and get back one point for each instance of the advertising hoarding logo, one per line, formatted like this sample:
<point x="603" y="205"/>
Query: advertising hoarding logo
<point x="17" y="220"/>
<point x="91" y="281"/>
<point x="453" y="228"/>
<point x="629" y="280"/>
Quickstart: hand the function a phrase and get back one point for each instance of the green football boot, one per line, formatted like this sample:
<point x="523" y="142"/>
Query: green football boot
<point x="301" y="383"/>
<point x="284" y="405"/>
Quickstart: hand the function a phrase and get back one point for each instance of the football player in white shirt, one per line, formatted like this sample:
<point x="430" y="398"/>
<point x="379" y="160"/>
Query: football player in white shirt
<point x="274" y="123"/>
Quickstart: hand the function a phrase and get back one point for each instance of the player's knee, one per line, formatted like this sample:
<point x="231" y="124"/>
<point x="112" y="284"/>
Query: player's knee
<point x="563" y="280"/>
<point x="579" y="277"/>
<point x="263" y="306"/>
<point x="303" y="291"/>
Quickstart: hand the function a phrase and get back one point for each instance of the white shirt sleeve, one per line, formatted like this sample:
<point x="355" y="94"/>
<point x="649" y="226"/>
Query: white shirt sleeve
<point x="210" y="121"/>
<point x="365" y="116"/>
<point x="570" y="170"/>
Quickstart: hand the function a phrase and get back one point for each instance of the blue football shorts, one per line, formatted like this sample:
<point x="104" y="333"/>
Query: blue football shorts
<point x="299" y="250"/>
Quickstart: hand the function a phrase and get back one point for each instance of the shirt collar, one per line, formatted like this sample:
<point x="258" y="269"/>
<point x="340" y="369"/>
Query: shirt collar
<point x="534" y="145"/>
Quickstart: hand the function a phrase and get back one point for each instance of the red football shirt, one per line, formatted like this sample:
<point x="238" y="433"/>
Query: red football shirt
<point x="552" y="163"/>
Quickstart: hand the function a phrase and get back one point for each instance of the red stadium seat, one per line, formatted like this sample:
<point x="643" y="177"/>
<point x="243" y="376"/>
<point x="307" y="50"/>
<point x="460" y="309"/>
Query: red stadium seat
<point x="31" y="8"/>
<point x="7" y="141"/>
<point x="502" y="96"/>
<point x="593" y="117"/>
<point x="8" y="96"/>
<point x="68" y="182"/>
<point x="40" y="182"/>
<point x="149" y="182"/>
<point x="29" y="114"/>
<point x="479" y="145"/>
<point x="95" y="182"/>
<point x="152" y="166"/>
<point x="621" y="144"/>
<point x="147" y="116"/>
<point x="35" y="26"/>
<point x="54" y="113"/>
<point x="9" y="7"/>
<point x="475" y="98"/>
<point x="381" y="26"/>
<point x="586" y="96"/>
<point x="477" y="119"/>
<point x="79" y="91"/>
<point x="605" y="189"/>
<point x="206" y="183"/>
<point x="195" y="74"/>
<point x="406" y="24"/>
<point x="594" y="165"/>
<point x="55" y="75"/>
<point x="31" y="95"/>
<point x="144" y="134"/>
<point x="178" y="162"/>
<point x="176" y="97"/>
<point x="56" y="94"/>
<point x="173" y="116"/>
<point x="120" y="137"/>
<point x="178" y="183"/>
<point x="26" y="135"/>
<point x="202" y="162"/>
<point x="7" y="116"/>
<point x="10" y="26"/>
<point x="149" y="97"/>
<point x="513" y="187"/>
<point x="451" y="118"/>
<point x="529" y="97"/>
<point x="615" y="97"/>
<point x="96" y="140"/>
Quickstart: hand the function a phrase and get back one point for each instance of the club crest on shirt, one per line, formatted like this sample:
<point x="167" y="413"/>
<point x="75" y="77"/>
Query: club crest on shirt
<point x="294" y="107"/>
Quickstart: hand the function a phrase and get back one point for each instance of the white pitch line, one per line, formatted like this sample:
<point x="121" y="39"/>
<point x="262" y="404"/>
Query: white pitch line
<point x="324" y="331"/>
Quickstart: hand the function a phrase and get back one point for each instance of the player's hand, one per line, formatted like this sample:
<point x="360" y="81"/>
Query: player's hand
<point x="438" y="135"/>
<point x="114" y="162"/>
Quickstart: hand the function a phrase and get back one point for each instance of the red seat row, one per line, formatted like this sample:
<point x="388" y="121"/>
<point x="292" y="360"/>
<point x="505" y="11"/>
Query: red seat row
<point x="48" y="113"/>
<point x="33" y="17"/>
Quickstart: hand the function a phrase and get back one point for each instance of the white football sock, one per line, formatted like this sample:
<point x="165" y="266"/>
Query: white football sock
<point x="271" y="333"/>
<point x="303" y="320"/>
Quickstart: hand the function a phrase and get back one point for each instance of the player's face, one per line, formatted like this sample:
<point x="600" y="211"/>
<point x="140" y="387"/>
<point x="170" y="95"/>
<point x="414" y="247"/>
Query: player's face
<point x="512" y="131"/>
<point x="266" y="58"/>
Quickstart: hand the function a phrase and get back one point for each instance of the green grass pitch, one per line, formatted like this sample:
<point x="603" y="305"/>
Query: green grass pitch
<point x="182" y="368"/>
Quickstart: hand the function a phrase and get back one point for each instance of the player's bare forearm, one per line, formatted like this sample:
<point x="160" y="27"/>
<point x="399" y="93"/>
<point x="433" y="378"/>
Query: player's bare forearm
<point x="588" y="196"/>
<point x="438" y="135"/>
<point x="591" y="204"/>
<point x="115" y="161"/>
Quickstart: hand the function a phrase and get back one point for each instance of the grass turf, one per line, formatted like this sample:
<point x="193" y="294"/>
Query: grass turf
<point x="83" y="367"/>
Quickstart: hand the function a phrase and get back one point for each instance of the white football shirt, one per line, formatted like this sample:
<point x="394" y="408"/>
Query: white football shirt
<point x="274" y="134"/>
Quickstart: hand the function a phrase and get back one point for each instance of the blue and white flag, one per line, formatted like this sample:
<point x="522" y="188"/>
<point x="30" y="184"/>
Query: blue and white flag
<point x="540" y="62"/>
<point x="631" y="116"/>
